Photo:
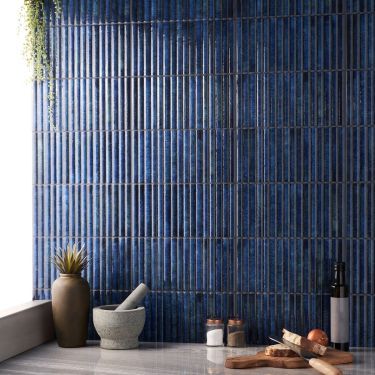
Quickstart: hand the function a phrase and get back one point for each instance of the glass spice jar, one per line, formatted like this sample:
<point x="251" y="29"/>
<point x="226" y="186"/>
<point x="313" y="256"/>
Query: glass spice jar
<point x="236" y="335"/>
<point x="214" y="332"/>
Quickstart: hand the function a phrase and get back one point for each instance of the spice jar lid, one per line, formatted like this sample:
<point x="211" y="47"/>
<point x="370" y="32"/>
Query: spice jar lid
<point x="235" y="322"/>
<point x="214" y="321"/>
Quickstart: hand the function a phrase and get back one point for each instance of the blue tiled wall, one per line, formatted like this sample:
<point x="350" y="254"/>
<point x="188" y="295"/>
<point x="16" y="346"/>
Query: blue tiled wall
<point x="223" y="152"/>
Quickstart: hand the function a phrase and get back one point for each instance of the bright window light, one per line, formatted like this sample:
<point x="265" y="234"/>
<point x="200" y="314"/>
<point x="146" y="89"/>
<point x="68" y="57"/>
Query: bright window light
<point x="15" y="161"/>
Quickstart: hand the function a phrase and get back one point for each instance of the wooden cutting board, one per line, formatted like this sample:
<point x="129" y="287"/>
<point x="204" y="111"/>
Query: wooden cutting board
<point x="332" y="356"/>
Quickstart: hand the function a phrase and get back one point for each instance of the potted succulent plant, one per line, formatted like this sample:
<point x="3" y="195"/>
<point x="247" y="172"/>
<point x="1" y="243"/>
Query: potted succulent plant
<point x="70" y="297"/>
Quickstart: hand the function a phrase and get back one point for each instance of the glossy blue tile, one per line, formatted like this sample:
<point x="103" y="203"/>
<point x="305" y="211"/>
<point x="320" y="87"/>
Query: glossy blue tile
<point x="212" y="150"/>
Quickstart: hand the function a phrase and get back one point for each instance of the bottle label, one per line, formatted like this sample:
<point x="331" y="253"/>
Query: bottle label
<point x="340" y="320"/>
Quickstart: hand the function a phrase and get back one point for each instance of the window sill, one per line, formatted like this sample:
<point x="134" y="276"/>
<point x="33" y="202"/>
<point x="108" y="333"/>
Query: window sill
<point x="25" y="327"/>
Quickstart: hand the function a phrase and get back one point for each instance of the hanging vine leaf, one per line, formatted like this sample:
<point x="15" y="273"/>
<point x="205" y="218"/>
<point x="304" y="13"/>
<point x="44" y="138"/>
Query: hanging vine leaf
<point x="36" y="47"/>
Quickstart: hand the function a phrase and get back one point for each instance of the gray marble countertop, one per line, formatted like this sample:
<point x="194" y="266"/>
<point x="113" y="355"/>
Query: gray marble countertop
<point x="153" y="358"/>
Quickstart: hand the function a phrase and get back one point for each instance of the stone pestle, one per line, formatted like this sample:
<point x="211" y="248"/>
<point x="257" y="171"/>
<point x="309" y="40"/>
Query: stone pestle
<point x="134" y="298"/>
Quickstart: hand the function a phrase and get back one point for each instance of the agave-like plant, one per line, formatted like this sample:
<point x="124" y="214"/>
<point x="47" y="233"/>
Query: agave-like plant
<point x="70" y="260"/>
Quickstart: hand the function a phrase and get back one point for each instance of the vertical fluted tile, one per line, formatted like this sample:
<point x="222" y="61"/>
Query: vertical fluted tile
<point x="268" y="175"/>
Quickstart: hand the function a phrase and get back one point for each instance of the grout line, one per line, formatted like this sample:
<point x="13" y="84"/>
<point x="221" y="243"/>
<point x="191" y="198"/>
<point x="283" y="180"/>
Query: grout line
<point x="205" y="19"/>
<point x="208" y="292"/>
<point x="343" y="254"/>
<point x="212" y="278"/>
<point x="264" y="72"/>
<point x="58" y="132"/>
<point x="235" y="164"/>
<point x="202" y="238"/>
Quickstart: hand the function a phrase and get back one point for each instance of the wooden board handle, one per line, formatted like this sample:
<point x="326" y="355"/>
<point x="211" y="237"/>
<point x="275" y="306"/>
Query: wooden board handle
<point x="246" y="362"/>
<point x="324" y="367"/>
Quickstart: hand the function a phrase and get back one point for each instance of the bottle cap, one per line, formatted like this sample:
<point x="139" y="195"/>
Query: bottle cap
<point x="340" y="266"/>
<point x="235" y="322"/>
<point x="214" y="321"/>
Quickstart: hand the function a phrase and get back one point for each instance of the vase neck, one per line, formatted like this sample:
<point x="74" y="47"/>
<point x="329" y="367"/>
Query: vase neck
<point x="75" y="275"/>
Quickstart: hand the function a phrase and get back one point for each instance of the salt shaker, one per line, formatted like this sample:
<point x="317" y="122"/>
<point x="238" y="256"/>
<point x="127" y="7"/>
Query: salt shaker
<point x="215" y="332"/>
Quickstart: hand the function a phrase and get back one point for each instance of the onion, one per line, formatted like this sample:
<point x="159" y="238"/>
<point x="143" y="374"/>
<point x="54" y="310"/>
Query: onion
<point x="319" y="336"/>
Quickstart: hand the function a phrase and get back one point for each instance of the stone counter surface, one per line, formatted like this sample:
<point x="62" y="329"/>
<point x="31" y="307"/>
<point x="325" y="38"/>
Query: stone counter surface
<point x="153" y="359"/>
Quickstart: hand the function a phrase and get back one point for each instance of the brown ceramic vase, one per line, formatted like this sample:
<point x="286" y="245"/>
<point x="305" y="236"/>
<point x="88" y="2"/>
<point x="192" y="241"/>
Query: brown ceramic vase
<point x="70" y="308"/>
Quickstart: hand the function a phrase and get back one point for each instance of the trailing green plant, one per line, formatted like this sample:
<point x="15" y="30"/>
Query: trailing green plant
<point x="36" y="45"/>
<point x="70" y="260"/>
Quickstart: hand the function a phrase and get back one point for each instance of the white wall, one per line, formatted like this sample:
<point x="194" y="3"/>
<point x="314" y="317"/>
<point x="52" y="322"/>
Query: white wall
<point x="15" y="161"/>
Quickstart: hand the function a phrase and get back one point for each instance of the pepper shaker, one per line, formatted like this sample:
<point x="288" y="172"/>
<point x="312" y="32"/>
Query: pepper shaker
<point x="236" y="333"/>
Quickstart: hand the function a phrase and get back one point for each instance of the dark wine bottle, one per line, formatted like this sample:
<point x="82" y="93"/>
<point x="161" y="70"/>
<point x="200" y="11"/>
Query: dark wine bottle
<point x="339" y="309"/>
